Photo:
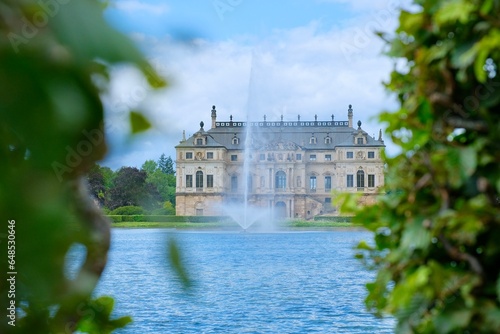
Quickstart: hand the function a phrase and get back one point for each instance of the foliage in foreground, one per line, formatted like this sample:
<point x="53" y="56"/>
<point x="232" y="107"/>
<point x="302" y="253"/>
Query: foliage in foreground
<point x="54" y="58"/>
<point x="437" y="230"/>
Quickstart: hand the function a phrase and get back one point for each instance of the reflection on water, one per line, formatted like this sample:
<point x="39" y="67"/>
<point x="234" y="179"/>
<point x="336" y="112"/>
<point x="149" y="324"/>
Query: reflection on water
<point x="243" y="283"/>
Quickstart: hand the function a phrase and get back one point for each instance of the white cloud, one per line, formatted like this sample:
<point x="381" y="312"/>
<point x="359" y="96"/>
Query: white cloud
<point x="300" y="71"/>
<point x="134" y="6"/>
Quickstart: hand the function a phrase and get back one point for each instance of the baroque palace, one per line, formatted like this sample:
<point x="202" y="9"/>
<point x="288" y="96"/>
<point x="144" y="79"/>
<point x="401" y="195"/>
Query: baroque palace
<point x="291" y="166"/>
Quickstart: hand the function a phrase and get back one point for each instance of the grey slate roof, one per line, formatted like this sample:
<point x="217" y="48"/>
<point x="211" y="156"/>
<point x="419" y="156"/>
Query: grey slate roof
<point x="263" y="136"/>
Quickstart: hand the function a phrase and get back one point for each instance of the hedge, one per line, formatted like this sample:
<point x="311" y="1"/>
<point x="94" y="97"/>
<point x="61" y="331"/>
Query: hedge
<point x="168" y="219"/>
<point x="337" y="219"/>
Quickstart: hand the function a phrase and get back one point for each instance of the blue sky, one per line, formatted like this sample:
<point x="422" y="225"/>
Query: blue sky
<point x="223" y="19"/>
<point x="249" y="58"/>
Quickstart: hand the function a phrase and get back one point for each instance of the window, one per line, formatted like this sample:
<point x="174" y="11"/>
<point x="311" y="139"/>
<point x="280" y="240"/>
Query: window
<point x="262" y="156"/>
<point x="360" y="179"/>
<point x="199" y="212"/>
<point x="298" y="156"/>
<point x="236" y="141"/>
<point x="350" y="155"/>
<point x="280" y="180"/>
<point x="328" y="140"/>
<point x="210" y="155"/>
<point x="249" y="183"/>
<point x="234" y="157"/>
<point x="328" y="183"/>
<point x="360" y="141"/>
<point x="328" y="200"/>
<point x="328" y="157"/>
<point x="210" y="181"/>
<point x="299" y="181"/>
<point x="189" y="181"/>
<point x="199" y="179"/>
<point x="189" y="155"/>
<point x="371" y="155"/>
<point x="350" y="180"/>
<point x="262" y="181"/>
<point x="312" y="157"/>
<point x="371" y="180"/>
<point x="199" y="141"/>
<point x="234" y="183"/>
<point x="312" y="140"/>
<point x="312" y="183"/>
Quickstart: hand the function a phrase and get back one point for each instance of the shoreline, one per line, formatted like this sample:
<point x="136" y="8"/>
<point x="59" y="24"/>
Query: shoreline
<point x="219" y="226"/>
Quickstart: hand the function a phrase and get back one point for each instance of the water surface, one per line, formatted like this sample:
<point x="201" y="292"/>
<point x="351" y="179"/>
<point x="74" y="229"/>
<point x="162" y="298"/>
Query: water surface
<point x="297" y="282"/>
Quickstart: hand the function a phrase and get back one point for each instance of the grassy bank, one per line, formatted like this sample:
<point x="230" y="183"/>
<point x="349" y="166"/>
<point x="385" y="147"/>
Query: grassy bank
<point x="295" y="224"/>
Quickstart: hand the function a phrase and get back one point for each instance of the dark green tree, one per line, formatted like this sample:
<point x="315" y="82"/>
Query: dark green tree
<point x="131" y="189"/>
<point x="166" y="165"/>
<point x="96" y="184"/>
<point x="437" y="230"/>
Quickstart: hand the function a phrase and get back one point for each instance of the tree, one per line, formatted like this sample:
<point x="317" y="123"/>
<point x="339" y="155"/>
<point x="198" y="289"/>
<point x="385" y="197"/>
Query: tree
<point x="108" y="176"/>
<point x="131" y="189"/>
<point x="436" y="230"/>
<point x="52" y="55"/>
<point x="149" y="166"/>
<point x="97" y="187"/>
<point x="166" y="165"/>
<point x="164" y="182"/>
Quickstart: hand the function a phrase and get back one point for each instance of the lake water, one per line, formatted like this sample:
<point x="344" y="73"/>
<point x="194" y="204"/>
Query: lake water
<point x="297" y="282"/>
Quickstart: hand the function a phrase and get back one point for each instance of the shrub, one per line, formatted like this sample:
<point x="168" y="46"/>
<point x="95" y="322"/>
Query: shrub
<point x="128" y="210"/>
<point x="115" y="218"/>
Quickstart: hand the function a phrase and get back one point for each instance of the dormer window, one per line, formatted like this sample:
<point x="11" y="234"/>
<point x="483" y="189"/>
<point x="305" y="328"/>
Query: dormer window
<point x="313" y="140"/>
<point x="235" y="140"/>
<point x="328" y="140"/>
<point x="199" y="141"/>
<point x="360" y="141"/>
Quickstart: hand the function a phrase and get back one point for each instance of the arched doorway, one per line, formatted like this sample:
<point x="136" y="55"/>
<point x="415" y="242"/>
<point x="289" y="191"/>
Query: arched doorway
<point x="280" y="210"/>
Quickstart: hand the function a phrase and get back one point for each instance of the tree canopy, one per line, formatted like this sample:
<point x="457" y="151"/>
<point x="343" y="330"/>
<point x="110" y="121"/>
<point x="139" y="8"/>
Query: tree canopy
<point x="166" y="165"/>
<point x="436" y="231"/>
<point x="131" y="189"/>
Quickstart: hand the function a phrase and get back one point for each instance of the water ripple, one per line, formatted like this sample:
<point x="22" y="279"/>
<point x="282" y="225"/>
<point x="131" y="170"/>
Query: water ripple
<point x="243" y="283"/>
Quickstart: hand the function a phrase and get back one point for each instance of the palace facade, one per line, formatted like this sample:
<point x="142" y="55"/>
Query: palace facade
<point x="293" y="167"/>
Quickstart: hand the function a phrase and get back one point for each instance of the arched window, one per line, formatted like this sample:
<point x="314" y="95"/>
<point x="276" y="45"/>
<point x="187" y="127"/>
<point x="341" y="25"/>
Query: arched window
<point x="280" y="180"/>
<point x="328" y="140"/>
<point x="249" y="183"/>
<point x="312" y="183"/>
<point x="199" y="179"/>
<point x="360" y="179"/>
<point x="234" y="183"/>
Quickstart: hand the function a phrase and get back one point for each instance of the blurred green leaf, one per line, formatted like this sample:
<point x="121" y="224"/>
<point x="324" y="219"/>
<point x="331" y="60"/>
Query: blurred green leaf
<point x="468" y="160"/>
<point x="174" y="257"/>
<point x="454" y="10"/>
<point x="452" y="320"/>
<point x="138" y="122"/>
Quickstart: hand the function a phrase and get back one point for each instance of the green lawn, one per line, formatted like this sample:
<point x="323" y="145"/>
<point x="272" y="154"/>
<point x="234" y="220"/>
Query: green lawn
<point x="295" y="224"/>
